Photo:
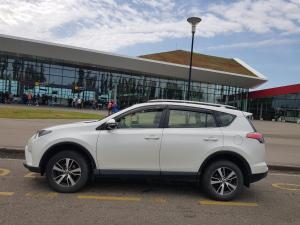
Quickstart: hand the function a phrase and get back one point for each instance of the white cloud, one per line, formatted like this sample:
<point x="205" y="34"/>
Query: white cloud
<point x="114" y="24"/>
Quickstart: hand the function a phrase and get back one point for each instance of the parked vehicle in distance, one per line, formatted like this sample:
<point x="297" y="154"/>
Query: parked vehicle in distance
<point x="200" y="142"/>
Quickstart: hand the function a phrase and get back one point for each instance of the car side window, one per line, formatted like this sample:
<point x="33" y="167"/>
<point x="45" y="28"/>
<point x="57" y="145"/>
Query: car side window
<point x="190" y="119"/>
<point x="149" y="118"/>
<point x="225" y="119"/>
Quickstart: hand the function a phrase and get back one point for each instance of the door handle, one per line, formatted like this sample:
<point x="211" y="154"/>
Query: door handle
<point x="211" y="139"/>
<point x="151" y="138"/>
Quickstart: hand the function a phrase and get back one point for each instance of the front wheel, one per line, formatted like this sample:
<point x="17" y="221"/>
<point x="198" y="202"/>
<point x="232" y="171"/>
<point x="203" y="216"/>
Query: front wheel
<point x="67" y="172"/>
<point x="223" y="180"/>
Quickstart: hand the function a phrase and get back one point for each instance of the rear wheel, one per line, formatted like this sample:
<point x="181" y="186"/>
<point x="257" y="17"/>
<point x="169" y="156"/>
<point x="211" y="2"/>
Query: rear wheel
<point x="223" y="180"/>
<point x="67" y="172"/>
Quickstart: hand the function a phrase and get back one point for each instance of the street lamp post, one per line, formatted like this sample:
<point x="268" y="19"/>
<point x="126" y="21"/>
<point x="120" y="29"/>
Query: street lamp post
<point x="193" y="21"/>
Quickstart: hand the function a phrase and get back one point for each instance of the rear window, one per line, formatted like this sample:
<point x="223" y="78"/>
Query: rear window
<point x="225" y="119"/>
<point x="190" y="119"/>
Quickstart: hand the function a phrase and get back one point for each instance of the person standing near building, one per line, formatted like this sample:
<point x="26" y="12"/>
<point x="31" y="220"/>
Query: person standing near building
<point x="115" y="107"/>
<point x="79" y="101"/>
<point x="109" y="107"/>
<point x="37" y="100"/>
<point x="29" y="98"/>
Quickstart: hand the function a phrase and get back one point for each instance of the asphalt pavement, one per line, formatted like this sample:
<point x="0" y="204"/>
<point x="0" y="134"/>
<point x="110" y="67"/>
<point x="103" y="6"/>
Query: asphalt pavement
<point x="25" y="198"/>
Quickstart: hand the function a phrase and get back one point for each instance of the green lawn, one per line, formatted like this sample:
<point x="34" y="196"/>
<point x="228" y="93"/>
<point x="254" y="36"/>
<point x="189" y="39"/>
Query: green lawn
<point x="36" y="113"/>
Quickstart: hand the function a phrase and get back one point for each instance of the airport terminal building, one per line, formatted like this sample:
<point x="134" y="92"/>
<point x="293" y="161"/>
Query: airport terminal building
<point x="66" y="72"/>
<point x="277" y="104"/>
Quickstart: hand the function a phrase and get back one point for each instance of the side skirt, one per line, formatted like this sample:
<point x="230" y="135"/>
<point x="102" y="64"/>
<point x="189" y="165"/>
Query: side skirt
<point x="140" y="174"/>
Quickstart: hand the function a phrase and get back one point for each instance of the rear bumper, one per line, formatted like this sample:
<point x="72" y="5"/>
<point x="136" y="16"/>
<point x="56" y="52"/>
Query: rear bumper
<point x="32" y="168"/>
<point x="257" y="176"/>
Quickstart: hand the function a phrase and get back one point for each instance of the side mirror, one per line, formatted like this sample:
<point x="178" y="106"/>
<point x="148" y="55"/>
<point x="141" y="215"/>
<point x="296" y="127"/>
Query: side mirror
<point x="111" y="124"/>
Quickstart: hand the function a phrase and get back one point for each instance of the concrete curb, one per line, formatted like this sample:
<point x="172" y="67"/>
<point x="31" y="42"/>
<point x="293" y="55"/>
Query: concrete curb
<point x="12" y="153"/>
<point x="287" y="168"/>
<point x="20" y="154"/>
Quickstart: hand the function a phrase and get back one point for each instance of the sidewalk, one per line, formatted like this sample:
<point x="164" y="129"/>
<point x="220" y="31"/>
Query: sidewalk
<point x="282" y="142"/>
<point x="282" y="139"/>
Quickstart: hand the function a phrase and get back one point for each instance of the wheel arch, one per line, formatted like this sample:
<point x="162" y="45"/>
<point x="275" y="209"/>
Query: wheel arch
<point x="234" y="157"/>
<point x="66" y="146"/>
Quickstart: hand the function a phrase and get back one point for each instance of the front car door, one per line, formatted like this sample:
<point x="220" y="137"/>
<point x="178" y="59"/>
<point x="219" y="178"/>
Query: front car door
<point x="188" y="137"/>
<point x="133" y="147"/>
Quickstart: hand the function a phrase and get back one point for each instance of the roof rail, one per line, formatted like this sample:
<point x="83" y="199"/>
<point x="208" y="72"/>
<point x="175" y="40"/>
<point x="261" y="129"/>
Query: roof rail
<point x="193" y="102"/>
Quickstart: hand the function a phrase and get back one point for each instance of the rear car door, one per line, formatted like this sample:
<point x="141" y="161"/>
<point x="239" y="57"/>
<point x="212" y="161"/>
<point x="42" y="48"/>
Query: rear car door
<point x="190" y="134"/>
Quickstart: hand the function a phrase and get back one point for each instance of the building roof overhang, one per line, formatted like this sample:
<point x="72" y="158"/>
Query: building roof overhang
<point x="276" y="91"/>
<point x="82" y="56"/>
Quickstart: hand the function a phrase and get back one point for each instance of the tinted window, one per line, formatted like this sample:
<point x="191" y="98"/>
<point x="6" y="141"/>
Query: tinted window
<point x="142" y="119"/>
<point x="225" y="119"/>
<point x="190" y="119"/>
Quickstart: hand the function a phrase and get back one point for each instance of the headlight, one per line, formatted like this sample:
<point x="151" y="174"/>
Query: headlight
<point x="43" y="132"/>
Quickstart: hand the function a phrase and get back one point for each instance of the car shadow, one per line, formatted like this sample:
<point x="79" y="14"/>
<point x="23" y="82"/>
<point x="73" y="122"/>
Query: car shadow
<point x="140" y="187"/>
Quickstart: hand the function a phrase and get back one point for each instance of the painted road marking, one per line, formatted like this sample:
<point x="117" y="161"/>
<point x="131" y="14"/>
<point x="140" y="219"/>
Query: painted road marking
<point x="208" y="202"/>
<point x="33" y="175"/>
<point x="285" y="174"/>
<point x="7" y="193"/>
<point x="289" y="187"/>
<point x="109" y="198"/>
<point x="160" y="200"/>
<point x="4" y="172"/>
<point x="41" y="194"/>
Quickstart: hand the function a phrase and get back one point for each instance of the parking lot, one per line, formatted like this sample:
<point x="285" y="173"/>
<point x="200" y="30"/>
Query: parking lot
<point x="26" y="199"/>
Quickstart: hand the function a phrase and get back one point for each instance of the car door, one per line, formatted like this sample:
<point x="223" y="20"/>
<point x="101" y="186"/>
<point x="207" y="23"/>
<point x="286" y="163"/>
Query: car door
<point x="188" y="137"/>
<point x="135" y="143"/>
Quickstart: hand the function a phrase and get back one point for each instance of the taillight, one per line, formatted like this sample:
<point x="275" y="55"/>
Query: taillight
<point x="257" y="136"/>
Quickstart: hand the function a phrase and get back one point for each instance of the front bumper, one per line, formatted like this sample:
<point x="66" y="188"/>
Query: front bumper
<point x="32" y="168"/>
<point x="257" y="176"/>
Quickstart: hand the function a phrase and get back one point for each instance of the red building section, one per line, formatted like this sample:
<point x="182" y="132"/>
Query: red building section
<point x="271" y="92"/>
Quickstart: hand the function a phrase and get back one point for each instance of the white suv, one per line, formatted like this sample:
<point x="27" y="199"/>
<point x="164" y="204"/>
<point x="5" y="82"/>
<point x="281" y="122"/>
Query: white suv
<point x="207" y="143"/>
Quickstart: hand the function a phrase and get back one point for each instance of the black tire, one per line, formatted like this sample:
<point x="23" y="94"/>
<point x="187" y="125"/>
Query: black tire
<point x="71" y="181"/>
<point x="212" y="175"/>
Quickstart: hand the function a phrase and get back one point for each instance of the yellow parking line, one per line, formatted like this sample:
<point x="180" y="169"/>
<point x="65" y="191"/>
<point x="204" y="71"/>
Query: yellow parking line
<point x="41" y="194"/>
<point x="289" y="187"/>
<point x="4" y="172"/>
<point x="7" y="193"/>
<point x="207" y="202"/>
<point x="159" y="200"/>
<point x="32" y="175"/>
<point x="109" y="198"/>
<point x="285" y="174"/>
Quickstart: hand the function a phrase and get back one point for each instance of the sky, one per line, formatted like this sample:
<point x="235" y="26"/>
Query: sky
<point x="265" y="33"/>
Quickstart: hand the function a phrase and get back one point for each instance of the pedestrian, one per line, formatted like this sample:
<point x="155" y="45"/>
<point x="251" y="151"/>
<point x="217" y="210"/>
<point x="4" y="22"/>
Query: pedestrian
<point x="74" y="102"/>
<point x="109" y="107"/>
<point x="50" y="100"/>
<point x="37" y="100"/>
<point x="55" y="99"/>
<point x="115" y="107"/>
<point x="79" y="101"/>
<point x="29" y="98"/>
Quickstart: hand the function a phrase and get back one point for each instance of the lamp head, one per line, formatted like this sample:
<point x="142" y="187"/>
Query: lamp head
<point x="194" y="21"/>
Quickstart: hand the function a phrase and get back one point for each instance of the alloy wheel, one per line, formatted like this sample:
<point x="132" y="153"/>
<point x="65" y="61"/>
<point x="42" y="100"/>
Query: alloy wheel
<point x="224" y="181"/>
<point x="66" y="172"/>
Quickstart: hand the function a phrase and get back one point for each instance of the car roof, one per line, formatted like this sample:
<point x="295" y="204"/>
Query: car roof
<point x="193" y="102"/>
<point x="200" y="105"/>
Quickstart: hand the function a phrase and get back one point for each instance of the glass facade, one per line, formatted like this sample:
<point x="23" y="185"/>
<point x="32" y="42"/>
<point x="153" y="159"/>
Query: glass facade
<point x="64" y="81"/>
<point x="278" y="108"/>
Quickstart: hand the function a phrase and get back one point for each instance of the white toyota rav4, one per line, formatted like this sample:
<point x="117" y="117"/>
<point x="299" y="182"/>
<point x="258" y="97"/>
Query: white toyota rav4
<point x="214" y="145"/>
